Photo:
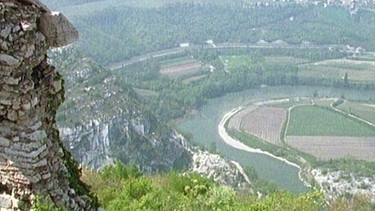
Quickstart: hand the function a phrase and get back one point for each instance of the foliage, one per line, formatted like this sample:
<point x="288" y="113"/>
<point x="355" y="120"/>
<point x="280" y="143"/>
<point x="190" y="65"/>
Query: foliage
<point x="286" y="201"/>
<point x="41" y="204"/>
<point x="174" y="191"/>
<point x="130" y="31"/>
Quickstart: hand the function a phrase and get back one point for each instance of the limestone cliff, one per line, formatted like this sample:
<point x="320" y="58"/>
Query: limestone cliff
<point x="103" y="120"/>
<point x="32" y="159"/>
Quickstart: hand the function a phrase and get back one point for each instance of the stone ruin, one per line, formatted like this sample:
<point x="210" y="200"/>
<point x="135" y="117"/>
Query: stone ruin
<point x="32" y="158"/>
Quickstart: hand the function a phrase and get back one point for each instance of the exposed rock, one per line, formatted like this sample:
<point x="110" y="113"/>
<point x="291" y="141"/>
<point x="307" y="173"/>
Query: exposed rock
<point x="8" y="60"/>
<point x="31" y="158"/>
<point x="57" y="29"/>
<point x="99" y="131"/>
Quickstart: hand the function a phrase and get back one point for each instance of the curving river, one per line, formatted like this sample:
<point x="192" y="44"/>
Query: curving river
<point x="203" y="126"/>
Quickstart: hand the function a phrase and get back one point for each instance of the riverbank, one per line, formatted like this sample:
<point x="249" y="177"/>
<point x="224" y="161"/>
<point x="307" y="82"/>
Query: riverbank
<point x="239" y="145"/>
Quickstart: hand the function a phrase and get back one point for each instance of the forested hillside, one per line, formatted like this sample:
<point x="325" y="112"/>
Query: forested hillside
<point x="117" y="34"/>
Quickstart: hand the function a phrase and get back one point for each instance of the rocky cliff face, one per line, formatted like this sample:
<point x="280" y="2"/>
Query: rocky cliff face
<point x="103" y="121"/>
<point x="31" y="157"/>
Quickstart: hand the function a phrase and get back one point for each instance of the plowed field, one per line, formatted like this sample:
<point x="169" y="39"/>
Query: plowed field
<point x="335" y="147"/>
<point x="265" y="123"/>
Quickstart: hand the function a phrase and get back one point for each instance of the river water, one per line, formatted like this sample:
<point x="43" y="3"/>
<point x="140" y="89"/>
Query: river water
<point x="202" y="126"/>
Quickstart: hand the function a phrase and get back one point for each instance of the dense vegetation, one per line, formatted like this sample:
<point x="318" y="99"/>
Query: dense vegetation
<point x="122" y="187"/>
<point x="116" y="34"/>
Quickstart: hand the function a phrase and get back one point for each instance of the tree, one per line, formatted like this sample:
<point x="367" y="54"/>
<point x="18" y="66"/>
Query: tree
<point x="346" y="80"/>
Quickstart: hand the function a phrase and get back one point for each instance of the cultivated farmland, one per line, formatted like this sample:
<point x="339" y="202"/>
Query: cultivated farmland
<point x="361" y="110"/>
<point x="235" y="121"/>
<point x="265" y="123"/>
<point x="317" y="121"/>
<point x="329" y="147"/>
<point x="336" y="69"/>
<point x="182" y="68"/>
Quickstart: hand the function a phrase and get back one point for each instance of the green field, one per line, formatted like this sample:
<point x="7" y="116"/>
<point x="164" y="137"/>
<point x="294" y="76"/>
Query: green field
<point x="361" y="110"/>
<point x="238" y="61"/>
<point x="318" y="121"/>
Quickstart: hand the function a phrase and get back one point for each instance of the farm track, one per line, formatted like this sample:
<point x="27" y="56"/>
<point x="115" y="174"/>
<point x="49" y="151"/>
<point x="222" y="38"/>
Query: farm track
<point x="351" y="115"/>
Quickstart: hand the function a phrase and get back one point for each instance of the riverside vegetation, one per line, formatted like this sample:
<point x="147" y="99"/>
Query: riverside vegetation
<point x="215" y="72"/>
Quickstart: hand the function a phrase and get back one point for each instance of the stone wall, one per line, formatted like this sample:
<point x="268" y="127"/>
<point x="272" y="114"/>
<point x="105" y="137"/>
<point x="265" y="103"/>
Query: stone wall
<point x="32" y="160"/>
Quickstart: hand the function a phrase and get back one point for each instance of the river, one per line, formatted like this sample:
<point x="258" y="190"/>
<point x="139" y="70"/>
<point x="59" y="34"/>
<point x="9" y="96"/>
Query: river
<point x="203" y="127"/>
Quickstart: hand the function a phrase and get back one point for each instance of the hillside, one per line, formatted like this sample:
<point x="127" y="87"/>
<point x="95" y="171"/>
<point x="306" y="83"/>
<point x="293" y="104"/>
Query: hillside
<point x="167" y="60"/>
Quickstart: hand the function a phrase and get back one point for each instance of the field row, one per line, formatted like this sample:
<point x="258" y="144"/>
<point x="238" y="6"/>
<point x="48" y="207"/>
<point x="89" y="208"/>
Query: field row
<point x="315" y="129"/>
<point x="331" y="147"/>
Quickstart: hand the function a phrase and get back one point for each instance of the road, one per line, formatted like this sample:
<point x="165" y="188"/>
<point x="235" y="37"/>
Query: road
<point x="178" y="50"/>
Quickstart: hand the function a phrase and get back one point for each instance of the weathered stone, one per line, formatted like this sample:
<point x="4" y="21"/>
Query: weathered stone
<point x="32" y="154"/>
<point x="4" y="33"/>
<point x="7" y="202"/>
<point x="31" y="158"/>
<point x="57" y="86"/>
<point x="11" y="80"/>
<point x="4" y="46"/>
<point x="34" y="101"/>
<point x="57" y="29"/>
<point x="12" y="115"/>
<point x="5" y="102"/>
<point x="8" y="60"/>
<point x="35" y="136"/>
<point x="36" y="126"/>
<point x="46" y="176"/>
<point x="26" y="106"/>
<point x="4" y="142"/>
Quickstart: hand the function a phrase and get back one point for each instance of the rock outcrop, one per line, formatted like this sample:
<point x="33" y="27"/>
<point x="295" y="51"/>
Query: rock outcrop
<point x="101" y="121"/>
<point x="32" y="159"/>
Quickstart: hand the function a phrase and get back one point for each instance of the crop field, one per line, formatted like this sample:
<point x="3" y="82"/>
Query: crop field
<point x="265" y="123"/>
<point x="356" y="70"/>
<point x="194" y="78"/>
<point x="283" y="60"/>
<point x="330" y="147"/>
<point x="237" y="61"/>
<point x="318" y="121"/>
<point x="176" y="62"/>
<point x="235" y="121"/>
<point x="181" y="69"/>
<point x="362" y="110"/>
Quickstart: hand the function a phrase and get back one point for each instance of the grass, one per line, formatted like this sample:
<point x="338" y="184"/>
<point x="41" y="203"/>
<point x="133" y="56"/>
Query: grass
<point x="318" y="121"/>
<point x="237" y="61"/>
<point x="361" y="110"/>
